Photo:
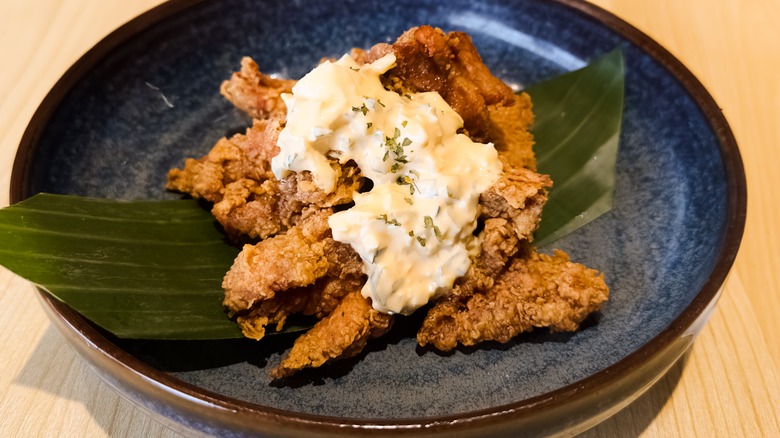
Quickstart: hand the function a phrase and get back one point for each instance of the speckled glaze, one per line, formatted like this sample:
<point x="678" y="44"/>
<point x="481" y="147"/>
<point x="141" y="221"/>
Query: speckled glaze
<point x="147" y="97"/>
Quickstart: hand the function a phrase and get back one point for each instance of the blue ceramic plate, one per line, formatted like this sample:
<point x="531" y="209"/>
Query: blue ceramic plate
<point x="147" y="97"/>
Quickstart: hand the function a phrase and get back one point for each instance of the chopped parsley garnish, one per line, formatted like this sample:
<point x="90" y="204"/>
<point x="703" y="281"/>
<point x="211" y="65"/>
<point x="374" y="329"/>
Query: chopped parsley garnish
<point x="384" y="218"/>
<point x="429" y="224"/>
<point x="369" y="125"/>
<point x="421" y="240"/>
<point x="404" y="123"/>
<point x="363" y="109"/>
<point x="404" y="180"/>
<point x="392" y="145"/>
<point x="409" y="201"/>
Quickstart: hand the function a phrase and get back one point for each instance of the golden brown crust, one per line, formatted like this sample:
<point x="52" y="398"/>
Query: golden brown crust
<point x="263" y="210"/>
<point x="242" y="156"/>
<point x="344" y="273"/>
<point x="509" y="132"/>
<point x="248" y="199"/>
<point x="536" y="290"/>
<point x="286" y="261"/>
<point x="518" y="196"/>
<point x="498" y="242"/>
<point x="341" y="334"/>
<point x="427" y="59"/>
<point x="255" y="93"/>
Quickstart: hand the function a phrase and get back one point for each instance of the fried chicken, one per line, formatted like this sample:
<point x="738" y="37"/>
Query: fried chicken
<point x="255" y="93"/>
<point x="536" y="290"/>
<point x="344" y="274"/>
<point x="498" y="242"/>
<point x="427" y="59"/>
<point x="509" y="132"/>
<point x="340" y="335"/>
<point x="518" y="196"/>
<point x="242" y="156"/>
<point x="294" y="259"/>
<point x="511" y="210"/>
<point x="260" y="210"/>
<point x="248" y="199"/>
<point x="297" y="267"/>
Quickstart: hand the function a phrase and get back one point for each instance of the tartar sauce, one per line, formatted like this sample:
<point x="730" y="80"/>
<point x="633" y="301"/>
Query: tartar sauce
<point x="413" y="229"/>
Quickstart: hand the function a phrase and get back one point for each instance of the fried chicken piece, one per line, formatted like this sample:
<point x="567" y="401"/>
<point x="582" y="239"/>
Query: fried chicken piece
<point x="499" y="243"/>
<point x="272" y="312"/>
<point x="251" y="208"/>
<point x="537" y="290"/>
<point x="248" y="199"/>
<point x="345" y="274"/>
<point x="341" y="334"/>
<point x="317" y="300"/>
<point x="242" y="156"/>
<point x="511" y="211"/>
<point x="518" y="196"/>
<point x="260" y="210"/>
<point x="255" y="93"/>
<point x="427" y="59"/>
<point x="285" y="261"/>
<point x="509" y="132"/>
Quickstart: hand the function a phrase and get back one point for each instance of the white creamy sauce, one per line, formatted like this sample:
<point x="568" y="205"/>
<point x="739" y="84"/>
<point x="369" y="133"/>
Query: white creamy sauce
<point x="414" y="228"/>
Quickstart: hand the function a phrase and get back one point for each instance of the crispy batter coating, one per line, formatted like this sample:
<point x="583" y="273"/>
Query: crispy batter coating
<point x="294" y="259"/>
<point x="511" y="211"/>
<point x="273" y="312"/>
<point x="255" y="93"/>
<point x="427" y="59"/>
<point x="344" y="274"/>
<point x="518" y="196"/>
<point x="340" y="335"/>
<point x="509" y="131"/>
<point x="498" y="242"/>
<point x="242" y="156"/>
<point x="536" y="290"/>
<point x="260" y="210"/>
<point x="248" y="199"/>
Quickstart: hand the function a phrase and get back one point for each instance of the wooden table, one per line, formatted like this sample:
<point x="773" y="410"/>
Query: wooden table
<point x="727" y="385"/>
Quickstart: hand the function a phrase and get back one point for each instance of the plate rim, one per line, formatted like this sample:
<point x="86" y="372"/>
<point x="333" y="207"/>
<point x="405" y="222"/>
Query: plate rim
<point x="680" y="327"/>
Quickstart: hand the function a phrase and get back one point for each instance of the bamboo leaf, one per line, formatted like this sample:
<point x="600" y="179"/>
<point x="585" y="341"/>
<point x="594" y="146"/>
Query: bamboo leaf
<point x="143" y="269"/>
<point x="578" y="118"/>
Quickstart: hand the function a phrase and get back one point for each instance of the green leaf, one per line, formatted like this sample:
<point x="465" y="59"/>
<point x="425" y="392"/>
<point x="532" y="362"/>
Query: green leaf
<point x="142" y="269"/>
<point x="578" y="117"/>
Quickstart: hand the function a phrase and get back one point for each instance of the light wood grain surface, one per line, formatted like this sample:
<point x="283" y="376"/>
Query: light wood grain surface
<point x="727" y="385"/>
